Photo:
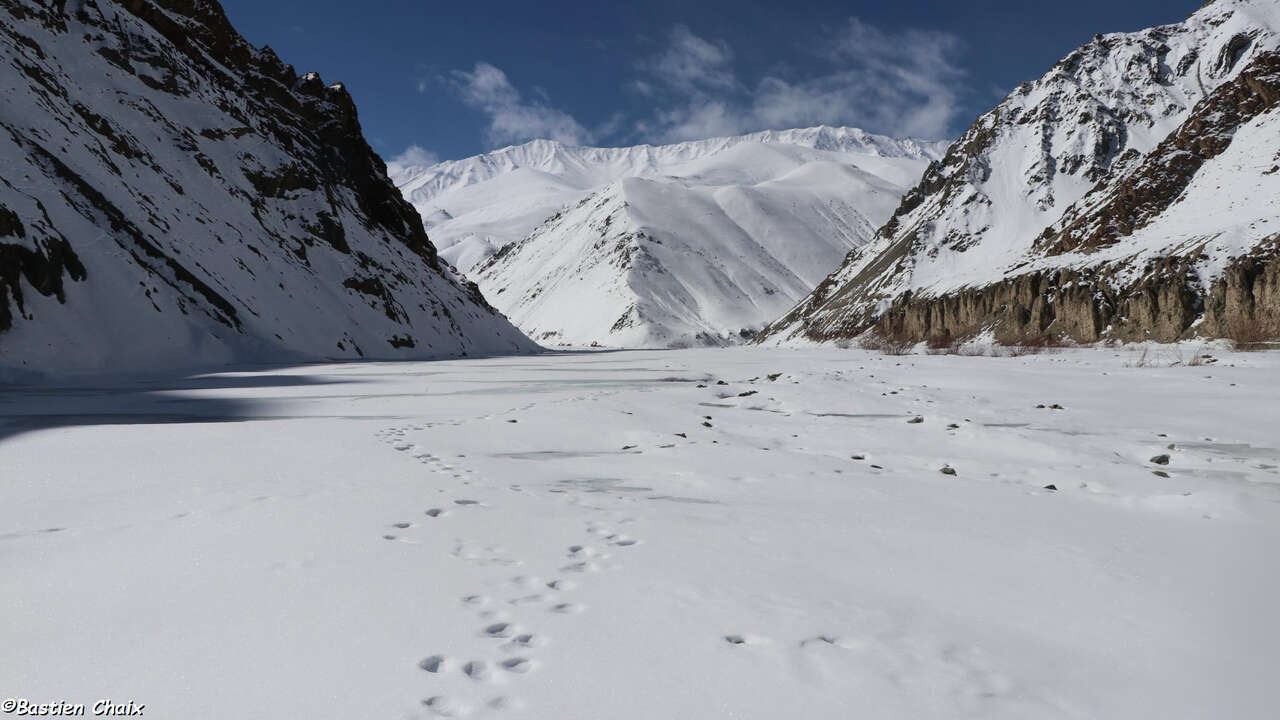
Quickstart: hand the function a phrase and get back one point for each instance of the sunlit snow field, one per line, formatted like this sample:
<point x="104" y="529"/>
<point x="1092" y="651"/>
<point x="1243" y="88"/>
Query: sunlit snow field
<point x="692" y="534"/>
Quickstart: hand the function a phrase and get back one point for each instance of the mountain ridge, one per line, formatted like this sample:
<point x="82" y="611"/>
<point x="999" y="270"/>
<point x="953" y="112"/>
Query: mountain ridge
<point x="546" y="175"/>
<point x="697" y="243"/>
<point x="173" y="195"/>
<point x="538" y="153"/>
<point x="960" y="256"/>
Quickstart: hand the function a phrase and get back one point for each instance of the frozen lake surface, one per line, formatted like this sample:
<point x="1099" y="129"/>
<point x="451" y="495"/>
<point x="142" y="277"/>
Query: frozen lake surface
<point x="695" y="534"/>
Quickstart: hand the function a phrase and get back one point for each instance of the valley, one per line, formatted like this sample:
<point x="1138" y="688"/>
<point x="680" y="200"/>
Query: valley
<point x="698" y="533"/>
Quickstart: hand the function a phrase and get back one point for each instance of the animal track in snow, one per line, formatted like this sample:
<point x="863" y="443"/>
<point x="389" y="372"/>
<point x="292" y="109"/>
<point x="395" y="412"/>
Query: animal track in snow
<point x="435" y="664"/>
<point x="829" y="640"/>
<point x="524" y="640"/>
<point x="445" y="706"/>
<point x="477" y="670"/>
<point x="504" y="703"/>
<point x="517" y="665"/>
<point x="583" y="551"/>
<point x="523" y="592"/>
<point x="500" y="630"/>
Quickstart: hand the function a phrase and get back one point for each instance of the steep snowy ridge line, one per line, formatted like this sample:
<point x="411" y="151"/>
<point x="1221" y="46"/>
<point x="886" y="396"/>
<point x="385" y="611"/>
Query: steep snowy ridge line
<point x="173" y="197"/>
<point x="985" y="241"/>
<point x="1130" y="201"/>
<point x="422" y="183"/>
<point x="535" y="179"/>
<point x="697" y="243"/>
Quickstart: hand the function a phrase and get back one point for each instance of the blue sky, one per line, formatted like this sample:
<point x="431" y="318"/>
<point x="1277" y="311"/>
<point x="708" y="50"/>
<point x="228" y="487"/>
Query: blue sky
<point x="448" y="80"/>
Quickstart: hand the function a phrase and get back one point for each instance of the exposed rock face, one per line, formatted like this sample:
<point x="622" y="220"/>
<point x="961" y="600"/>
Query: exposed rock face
<point x="1129" y="201"/>
<point x="1091" y="303"/>
<point x="170" y="194"/>
<point x="1131" y="192"/>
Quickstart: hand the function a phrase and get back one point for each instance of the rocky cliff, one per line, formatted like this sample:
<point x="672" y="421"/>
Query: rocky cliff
<point x="172" y="195"/>
<point x="1131" y="192"/>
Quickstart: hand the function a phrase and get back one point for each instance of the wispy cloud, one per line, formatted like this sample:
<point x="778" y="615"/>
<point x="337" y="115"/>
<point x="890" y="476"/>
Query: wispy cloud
<point x="906" y="83"/>
<point x="912" y="74"/>
<point x="899" y="83"/>
<point x="511" y="117"/>
<point x="413" y="156"/>
<point x="690" y="64"/>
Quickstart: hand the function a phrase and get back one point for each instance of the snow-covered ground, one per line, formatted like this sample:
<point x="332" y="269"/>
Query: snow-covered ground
<point x="619" y="535"/>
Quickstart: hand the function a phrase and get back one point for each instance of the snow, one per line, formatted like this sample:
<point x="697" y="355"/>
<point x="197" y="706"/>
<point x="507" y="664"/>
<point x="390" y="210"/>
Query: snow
<point x="533" y="537"/>
<point x="1048" y="143"/>
<point x="534" y="180"/>
<point x="153" y="191"/>
<point x="1229" y="207"/>
<point x="661" y="246"/>
<point x="654" y="263"/>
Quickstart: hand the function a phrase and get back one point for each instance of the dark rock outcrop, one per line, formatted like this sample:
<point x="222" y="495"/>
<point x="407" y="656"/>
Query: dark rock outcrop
<point x="1050" y="217"/>
<point x="1090" y="304"/>
<point x="170" y="194"/>
<point x="1132" y="200"/>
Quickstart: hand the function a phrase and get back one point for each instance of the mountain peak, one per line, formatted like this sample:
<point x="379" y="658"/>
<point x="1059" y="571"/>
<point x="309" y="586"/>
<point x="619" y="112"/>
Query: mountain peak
<point x="699" y="242"/>
<point x="964" y="252"/>
<point x="186" y="198"/>
<point x="819" y="137"/>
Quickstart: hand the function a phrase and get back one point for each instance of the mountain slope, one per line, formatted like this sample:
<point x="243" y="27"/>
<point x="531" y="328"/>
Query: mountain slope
<point x="696" y="243"/>
<point x="1003" y="234"/>
<point x="171" y="195"/>
<point x="536" y="179"/>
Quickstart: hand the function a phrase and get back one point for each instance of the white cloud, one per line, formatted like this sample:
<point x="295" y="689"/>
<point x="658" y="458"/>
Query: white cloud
<point x="413" y="156"/>
<point x="699" y="118"/>
<point x="903" y="83"/>
<point x="912" y="73"/>
<point x="610" y="126"/>
<point x="690" y="64"/>
<point x="513" y="119"/>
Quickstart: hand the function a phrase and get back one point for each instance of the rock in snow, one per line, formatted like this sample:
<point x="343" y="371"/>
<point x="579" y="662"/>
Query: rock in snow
<point x="1131" y="192"/>
<point x="171" y="195"/>
<point x="697" y="243"/>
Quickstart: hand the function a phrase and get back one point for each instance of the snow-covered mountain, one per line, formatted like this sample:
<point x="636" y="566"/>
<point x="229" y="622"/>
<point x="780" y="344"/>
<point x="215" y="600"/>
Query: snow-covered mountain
<point x="172" y="196"/>
<point x="1131" y="192"/>
<point x="650" y="246"/>
<point x="532" y="181"/>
